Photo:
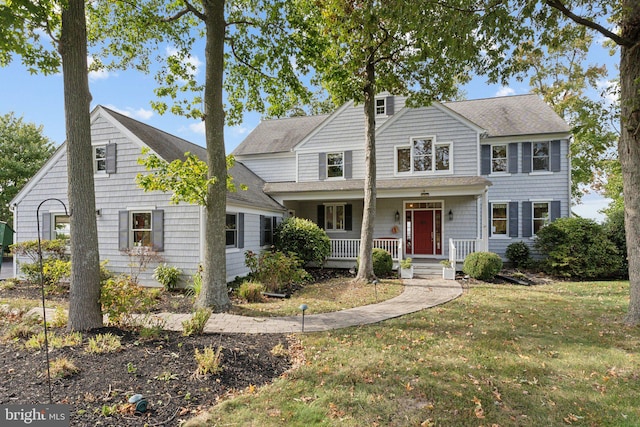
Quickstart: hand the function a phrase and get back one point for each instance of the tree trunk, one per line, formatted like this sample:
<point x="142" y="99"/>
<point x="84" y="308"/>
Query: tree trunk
<point x="214" y="281"/>
<point x="629" y="147"/>
<point x="84" y="299"/>
<point x="365" y="266"/>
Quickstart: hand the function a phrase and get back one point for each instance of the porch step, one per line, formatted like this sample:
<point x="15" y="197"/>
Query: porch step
<point x="427" y="268"/>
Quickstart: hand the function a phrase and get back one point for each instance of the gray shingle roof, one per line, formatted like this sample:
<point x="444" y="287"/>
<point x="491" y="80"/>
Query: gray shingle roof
<point x="170" y="148"/>
<point x="277" y="136"/>
<point x="382" y="184"/>
<point x="511" y="115"/>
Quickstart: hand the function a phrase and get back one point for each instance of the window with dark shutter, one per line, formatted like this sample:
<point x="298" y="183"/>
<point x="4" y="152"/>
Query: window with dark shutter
<point x="485" y="159"/>
<point x="513" y="157"/>
<point x="513" y="219"/>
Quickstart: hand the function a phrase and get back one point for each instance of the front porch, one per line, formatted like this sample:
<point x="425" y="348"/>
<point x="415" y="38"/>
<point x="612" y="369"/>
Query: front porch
<point x="344" y="252"/>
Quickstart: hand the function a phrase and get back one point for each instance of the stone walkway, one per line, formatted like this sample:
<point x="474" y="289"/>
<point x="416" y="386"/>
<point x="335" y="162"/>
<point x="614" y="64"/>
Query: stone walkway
<point x="419" y="294"/>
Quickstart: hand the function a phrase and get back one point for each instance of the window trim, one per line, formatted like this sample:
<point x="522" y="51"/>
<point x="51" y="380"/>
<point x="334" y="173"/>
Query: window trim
<point x="235" y="230"/>
<point x="506" y="159"/>
<point x="383" y="106"/>
<point x="548" y="157"/>
<point x="547" y="220"/>
<point x="435" y="145"/>
<point x="132" y="231"/>
<point x="334" y="218"/>
<point x="96" y="171"/>
<point x="342" y="165"/>
<point x="54" y="233"/>
<point x="506" y="219"/>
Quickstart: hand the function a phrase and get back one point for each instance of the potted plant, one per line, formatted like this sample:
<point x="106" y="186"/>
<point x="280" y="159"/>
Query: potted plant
<point x="448" y="271"/>
<point x="406" y="269"/>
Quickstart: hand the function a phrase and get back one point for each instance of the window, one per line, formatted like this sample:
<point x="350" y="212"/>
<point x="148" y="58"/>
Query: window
<point x="499" y="220"/>
<point x="381" y="106"/>
<point x="267" y="225"/>
<point x="100" y="159"/>
<point x="141" y="229"/>
<point x="423" y="155"/>
<point x="61" y="227"/>
<point x="335" y="165"/>
<point x="232" y="230"/>
<point x="540" y="215"/>
<point x="540" y="156"/>
<point x="334" y="217"/>
<point x="499" y="161"/>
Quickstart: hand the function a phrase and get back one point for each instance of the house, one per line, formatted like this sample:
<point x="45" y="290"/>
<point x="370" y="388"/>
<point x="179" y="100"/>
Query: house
<point x="128" y="217"/>
<point x="452" y="178"/>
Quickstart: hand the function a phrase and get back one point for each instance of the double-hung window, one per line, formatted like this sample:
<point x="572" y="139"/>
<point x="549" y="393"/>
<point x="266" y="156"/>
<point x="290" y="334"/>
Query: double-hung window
<point x="61" y="227"/>
<point x="100" y="159"/>
<point x="499" y="160"/>
<point x="540" y="215"/>
<point x="499" y="219"/>
<point x="232" y="231"/>
<point x="423" y="155"/>
<point x="141" y="229"/>
<point x="335" y="165"/>
<point x="540" y="156"/>
<point x="334" y="217"/>
<point x="381" y="106"/>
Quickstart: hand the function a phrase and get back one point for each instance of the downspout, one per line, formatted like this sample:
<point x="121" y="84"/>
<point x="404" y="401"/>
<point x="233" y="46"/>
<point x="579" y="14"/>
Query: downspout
<point x="485" y="219"/>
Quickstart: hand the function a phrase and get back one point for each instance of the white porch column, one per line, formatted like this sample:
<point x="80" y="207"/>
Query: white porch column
<point x="485" y="219"/>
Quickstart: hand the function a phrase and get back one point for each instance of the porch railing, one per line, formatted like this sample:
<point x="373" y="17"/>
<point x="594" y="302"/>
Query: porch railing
<point x="460" y="248"/>
<point x="347" y="249"/>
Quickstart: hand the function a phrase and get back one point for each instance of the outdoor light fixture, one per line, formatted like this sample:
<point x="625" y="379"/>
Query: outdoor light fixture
<point x="450" y="215"/>
<point x="375" y="288"/>
<point x="303" y="307"/>
<point x="397" y="216"/>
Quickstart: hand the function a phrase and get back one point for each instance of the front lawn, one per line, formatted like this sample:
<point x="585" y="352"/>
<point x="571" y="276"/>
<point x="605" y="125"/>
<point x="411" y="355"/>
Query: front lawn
<point x="500" y="355"/>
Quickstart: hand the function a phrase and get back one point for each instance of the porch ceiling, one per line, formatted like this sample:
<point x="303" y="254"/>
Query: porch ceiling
<point x="398" y="187"/>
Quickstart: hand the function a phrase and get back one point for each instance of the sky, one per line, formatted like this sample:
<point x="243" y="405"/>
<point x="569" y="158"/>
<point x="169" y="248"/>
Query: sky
<point x="39" y="100"/>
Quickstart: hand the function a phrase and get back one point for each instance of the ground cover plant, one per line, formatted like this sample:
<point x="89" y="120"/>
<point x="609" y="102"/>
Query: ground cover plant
<point x="501" y="355"/>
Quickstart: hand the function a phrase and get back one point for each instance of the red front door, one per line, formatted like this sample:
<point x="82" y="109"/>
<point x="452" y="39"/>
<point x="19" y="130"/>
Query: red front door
<point x="423" y="232"/>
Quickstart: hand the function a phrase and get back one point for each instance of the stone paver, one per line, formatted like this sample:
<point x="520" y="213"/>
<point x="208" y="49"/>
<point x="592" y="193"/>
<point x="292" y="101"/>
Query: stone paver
<point x="418" y="294"/>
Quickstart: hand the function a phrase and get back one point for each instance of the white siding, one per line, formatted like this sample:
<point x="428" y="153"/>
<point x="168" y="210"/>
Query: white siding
<point x="276" y="168"/>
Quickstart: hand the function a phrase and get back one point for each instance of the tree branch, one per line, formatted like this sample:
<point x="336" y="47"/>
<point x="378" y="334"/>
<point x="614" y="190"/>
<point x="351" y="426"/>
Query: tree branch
<point x="191" y="8"/>
<point x="558" y="5"/>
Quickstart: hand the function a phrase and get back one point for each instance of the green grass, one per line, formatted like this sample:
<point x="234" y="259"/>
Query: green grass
<point x="552" y="355"/>
<point x="324" y="297"/>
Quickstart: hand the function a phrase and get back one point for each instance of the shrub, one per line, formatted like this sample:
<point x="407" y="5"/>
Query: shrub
<point x="195" y="286"/>
<point x="251" y="291"/>
<point x="209" y="361"/>
<point x="482" y="265"/>
<point x="614" y="229"/>
<point x="55" y="249"/>
<point x="121" y="298"/>
<point x="518" y="254"/>
<point x="63" y="368"/>
<point x="304" y="238"/>
<point x="382" y="262"/>
<point x="577" y="248"/>
<point x="167" y="276"/>
<point x="275" y="270"/>
<point x="195" y="325"/>
<point x="104" y="343"/>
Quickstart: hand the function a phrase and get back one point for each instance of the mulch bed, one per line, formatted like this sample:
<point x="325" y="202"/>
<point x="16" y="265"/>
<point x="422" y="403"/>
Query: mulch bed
<point x="162" y="369"/>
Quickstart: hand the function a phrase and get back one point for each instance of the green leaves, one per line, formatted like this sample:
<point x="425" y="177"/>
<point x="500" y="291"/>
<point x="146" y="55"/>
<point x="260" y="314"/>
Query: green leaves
<point x="187" y="179"/>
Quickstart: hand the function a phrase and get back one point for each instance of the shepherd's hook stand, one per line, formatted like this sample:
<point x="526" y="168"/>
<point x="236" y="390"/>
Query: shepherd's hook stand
<point x="44" y="310"/>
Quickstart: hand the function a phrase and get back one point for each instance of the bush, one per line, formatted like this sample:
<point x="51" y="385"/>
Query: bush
<point x="482" y="265"/>
<point x="518" y="254"/>
<point x="577" y="248"/>
<point x="614" y="229"/>
<point x="275" y="270"/>
<point x="167" y="276"/>
<point x="121" y="298"/>
<point x="251" y="291"/>
<point x="195" y="325"/>
<point x="382" y="262"/>
<point x="304" y="238"/>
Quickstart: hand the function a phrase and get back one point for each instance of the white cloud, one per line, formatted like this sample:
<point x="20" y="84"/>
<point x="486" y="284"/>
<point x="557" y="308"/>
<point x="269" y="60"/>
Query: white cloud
<point x="139" y="114"/>
<point x="505" y="91"/>
<point x="238" y="130"/>
<point x="197" y="127"/>
<point x="98" y="74"/>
